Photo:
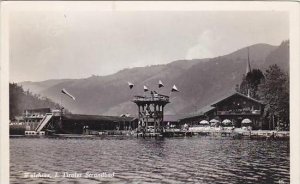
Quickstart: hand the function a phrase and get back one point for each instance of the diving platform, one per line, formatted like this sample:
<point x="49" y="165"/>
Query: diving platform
<point x="150" y="114"/>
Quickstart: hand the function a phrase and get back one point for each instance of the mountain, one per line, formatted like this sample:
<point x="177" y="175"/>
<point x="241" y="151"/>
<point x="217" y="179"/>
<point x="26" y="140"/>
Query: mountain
<point x="37" y="87"/>
<point x="280" y="56"/>
<point x="200" y="81"/>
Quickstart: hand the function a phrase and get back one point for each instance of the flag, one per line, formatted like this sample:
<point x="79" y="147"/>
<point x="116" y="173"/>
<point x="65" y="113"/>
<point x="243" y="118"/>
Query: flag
<point x="160" y="84"/>
<point x="145" y="89"/>
<point x="130" y="85"/>
<point x="67" y="93"/>
<point x="174" y="89"/>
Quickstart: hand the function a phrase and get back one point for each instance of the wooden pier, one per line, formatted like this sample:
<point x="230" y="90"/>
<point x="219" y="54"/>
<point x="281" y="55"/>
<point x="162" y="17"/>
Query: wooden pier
<point x="246" y="134"/>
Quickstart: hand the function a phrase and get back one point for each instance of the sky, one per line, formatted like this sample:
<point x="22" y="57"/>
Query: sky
<point x="77" y="44"/>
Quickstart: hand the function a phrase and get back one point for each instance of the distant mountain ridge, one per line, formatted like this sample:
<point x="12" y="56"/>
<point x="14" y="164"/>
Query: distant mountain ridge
<point x="200" y="81"/>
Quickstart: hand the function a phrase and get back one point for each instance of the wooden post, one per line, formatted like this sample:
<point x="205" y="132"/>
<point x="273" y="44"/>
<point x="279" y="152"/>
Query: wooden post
<point x="273" y="122"/>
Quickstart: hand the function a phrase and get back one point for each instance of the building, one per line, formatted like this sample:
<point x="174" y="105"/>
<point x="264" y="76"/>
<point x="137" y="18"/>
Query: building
<point x="45" y="119"/>
<point x="78" y="123"/>
<point x="235" y="107"/>
<point x="203" y="114"/>
<point x="32" y="117"/>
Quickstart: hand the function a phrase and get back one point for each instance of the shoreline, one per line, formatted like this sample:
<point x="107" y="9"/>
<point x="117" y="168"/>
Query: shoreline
<point x="254" y="134"/>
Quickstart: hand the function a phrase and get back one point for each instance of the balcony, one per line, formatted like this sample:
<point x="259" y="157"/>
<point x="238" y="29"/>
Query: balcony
<point x="33" y="116"/>
<point x="239" y="112"/>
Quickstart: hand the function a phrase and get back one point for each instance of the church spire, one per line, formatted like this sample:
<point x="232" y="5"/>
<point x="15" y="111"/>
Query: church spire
<point x="248" y="69"/>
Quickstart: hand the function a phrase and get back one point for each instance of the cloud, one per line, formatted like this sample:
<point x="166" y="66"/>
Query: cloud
<point x="205" y="47"/>
<point x="77" y="44"/>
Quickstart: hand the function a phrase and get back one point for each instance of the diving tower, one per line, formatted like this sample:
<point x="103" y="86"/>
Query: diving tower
<point x="151" y="113"/>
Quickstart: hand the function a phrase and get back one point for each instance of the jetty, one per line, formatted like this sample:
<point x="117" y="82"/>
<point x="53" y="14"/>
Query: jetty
<point x="240" y="133"/>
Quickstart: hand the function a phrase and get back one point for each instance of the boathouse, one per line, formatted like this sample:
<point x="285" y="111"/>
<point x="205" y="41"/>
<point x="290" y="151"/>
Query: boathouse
<point x="55" y="121"/>
<point x="78" y="123"/>
<point x="235" y="107"/>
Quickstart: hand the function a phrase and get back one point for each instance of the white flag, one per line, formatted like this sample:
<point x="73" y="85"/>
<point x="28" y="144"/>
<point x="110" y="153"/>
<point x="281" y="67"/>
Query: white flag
<point x="130" y="85"/>
<point x="67" y="93"/>
<point x="160" y="84"/>
<point x="145" y="89"/>
<point x="174" y="89"/>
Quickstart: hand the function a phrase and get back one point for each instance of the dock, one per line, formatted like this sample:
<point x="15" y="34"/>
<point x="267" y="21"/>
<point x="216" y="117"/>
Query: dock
<point x="246" y="134"/>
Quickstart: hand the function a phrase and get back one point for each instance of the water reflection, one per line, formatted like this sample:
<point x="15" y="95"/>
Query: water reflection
<point x="179" y="160"/>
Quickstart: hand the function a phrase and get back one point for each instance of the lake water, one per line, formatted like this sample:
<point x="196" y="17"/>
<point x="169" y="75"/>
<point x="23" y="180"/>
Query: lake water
<point x="131" y="160"/>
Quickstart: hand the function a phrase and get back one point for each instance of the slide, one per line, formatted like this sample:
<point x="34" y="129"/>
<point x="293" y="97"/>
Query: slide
<point x="44" y="122"/>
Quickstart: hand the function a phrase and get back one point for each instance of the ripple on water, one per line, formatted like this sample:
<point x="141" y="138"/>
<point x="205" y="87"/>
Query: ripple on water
<point x="177" y="160"/>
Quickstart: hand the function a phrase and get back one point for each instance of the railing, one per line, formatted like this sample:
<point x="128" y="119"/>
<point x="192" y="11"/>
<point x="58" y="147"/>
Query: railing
<point x="151" y="98"/>
<point x="34" y="116"/>
<point x="254" y="112"/>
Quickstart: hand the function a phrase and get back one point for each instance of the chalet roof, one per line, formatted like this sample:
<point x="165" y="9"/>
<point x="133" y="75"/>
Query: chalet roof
<point x="233" y="94"/>
<point x="192" y="116"/>
<point x="205" y="109"/>
<point x="199" y="113"/>
<point x="83" y="117"/>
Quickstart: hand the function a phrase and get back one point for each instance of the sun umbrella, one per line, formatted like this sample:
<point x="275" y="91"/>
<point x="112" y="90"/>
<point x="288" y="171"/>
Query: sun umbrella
<point x="214" y="121"/>
<point x="226" y="122"/>
<point x="246" y="121"/>
<point x="204" y="122"/>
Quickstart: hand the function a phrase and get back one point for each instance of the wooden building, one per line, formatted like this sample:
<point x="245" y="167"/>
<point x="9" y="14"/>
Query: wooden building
<point x="77" y="123"/>
<point x="205" y="113"/>
<point x="235" y="107"/>
<point x="32" y="117"/>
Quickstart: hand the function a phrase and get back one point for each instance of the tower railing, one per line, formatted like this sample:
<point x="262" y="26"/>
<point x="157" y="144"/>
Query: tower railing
<point x="151" y="98"/>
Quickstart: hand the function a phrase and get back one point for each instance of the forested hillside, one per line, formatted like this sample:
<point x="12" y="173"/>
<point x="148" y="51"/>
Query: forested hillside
<point x="19" y="100"/>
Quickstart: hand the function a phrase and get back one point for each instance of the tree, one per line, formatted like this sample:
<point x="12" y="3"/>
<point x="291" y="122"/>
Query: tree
<point x="251" y="82"/>
<point x="274" y="92"/>
<point x="19" y="100"/>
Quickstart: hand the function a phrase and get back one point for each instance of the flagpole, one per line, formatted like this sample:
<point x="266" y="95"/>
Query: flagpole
<point x="131" y="85"/>
<point x="60" y="118"/>
<point x="160" y="85"/>
<point x="60" y="100"/>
